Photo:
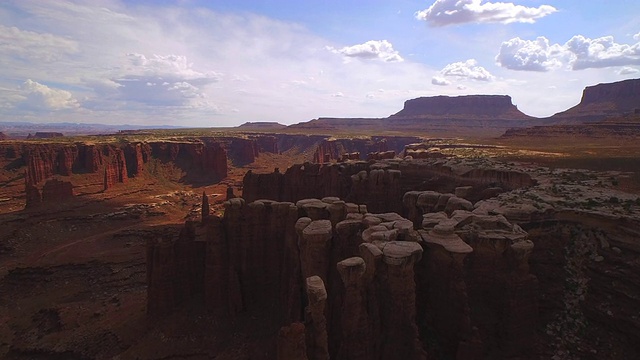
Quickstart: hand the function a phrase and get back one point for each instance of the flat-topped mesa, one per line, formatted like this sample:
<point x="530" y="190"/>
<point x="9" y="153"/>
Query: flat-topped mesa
<point x="45" y="135"/>
<point x="604" y="100"/>
<point x="461" y="107"/>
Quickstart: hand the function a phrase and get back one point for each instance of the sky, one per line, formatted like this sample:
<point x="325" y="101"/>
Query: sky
<point x="222" y="63"/>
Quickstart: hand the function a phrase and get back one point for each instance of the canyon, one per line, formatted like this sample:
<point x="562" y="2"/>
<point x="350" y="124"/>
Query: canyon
<point x="313" y="242"/>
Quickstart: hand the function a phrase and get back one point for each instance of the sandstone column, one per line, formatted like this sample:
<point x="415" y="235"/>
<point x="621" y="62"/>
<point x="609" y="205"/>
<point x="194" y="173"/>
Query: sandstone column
<point x="291" y="342"/>
<point x="355" y="342"/>
<point x="315" y="244"/>
<point x="520" y="311"/>
<point x="448" y="304"/>
<point x="317" y="340"/>
<point x="372" y="257"/>
<point x="399" y="330"/>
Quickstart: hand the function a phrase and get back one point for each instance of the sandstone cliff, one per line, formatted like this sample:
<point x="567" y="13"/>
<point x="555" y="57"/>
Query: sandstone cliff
<point x="603" y="100"/>
<point x="369" y="291"/>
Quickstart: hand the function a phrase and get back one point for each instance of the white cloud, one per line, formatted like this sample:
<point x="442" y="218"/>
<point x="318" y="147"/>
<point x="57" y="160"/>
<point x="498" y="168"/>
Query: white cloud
<point x="461" y="87"/>
<point x="601" y="52"/>
<point x="578" y="53"/>
<point x="449" y="12"/>
<point x="627" y="70"/>
<point x="36" y="97"/>
<point x="437" y="80"/>
<point x="338" y="94"/>
<point x="636" y="36"/>
<point x="467" y="69"/>
<point x="34" y="46"/>
<point x="168" y="80"/>
<point x="167" y="66"/>
<point x="372" y="49"/>
<point x="530" y="55"/>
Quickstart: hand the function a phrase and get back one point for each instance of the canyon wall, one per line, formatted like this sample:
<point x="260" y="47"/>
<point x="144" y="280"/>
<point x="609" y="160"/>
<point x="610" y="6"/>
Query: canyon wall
<point x="380" y="185"/>
<point x="353" y="284"/>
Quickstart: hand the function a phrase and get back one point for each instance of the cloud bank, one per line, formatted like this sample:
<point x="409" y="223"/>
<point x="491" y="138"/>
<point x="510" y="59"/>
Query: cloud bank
<point x="577" y="54"/>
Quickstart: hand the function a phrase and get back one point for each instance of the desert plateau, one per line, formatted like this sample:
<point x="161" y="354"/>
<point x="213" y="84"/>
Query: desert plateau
<point x="320" y="240"/>
<point x="319" y="180"/>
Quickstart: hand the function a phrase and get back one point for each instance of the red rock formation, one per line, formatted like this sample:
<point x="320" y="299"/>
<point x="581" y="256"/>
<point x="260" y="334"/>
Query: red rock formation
<point x="317" y="340"/>
<point x="292" y="342"/>
<point x="89" y="159"/>
<point x="136" y="155"/>
<point x="45" y="135"/>
<point x="243" y="151"/>
<point x="3" y="136"/>
<point x="315" y="245"/>
<point x="202" y="161"/>
<point x="355" y="342"/>
<point x="603" y="100"/>
<point x="174" y="271"/>
<point x="350" y="156"/>
<point x="447" y="303"/>
<point x="40" y="162"/>
<point x="66" y="158"/>
<point x="56" y="191"/>
<point x="327" y="151"/>
<point x="115" y="170"/>
<point x="266" y="143"/>
<point x="205" y="207"/>
<point x="381" y="155"/>
<point x="473" y="106"/>
<point x="379" y="189"/>
<point x="399" y="306"/>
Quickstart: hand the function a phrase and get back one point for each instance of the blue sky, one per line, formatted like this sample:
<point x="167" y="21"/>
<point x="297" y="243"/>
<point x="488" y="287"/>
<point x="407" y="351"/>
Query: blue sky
<point x="222" y="63"/>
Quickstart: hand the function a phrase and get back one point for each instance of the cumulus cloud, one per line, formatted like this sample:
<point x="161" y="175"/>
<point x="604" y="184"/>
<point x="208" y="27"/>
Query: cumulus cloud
<point x="530" y="55"/>
<point x="30" y="45"/>
<point x="577" y="54"/>
<point x="338" y="94"/>
<point x="627" y="70"/>
<point x="437" y="80"/>
<point x="372" y="49"/>
<point x="38" y="97"/>
<point x="467" y="69"/>
<point x="636" y="36"/>
<point x="449" y="12"/>
<point x="162" y="80"/>
<point x="601" y="52"/>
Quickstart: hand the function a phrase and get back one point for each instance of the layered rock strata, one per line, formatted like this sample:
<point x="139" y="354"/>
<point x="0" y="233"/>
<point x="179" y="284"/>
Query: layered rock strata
<point x="389" y="180"/>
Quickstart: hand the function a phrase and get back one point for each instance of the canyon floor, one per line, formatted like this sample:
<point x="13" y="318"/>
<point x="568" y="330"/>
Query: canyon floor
<point x="73" y="274"/>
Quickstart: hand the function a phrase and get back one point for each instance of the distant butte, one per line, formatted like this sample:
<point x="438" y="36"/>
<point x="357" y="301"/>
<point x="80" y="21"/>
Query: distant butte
<point x="477" y="115"/>
<point x="603" y="100"/>
<point x="488" y="115"/>
<point x="461" y="107"/>
<point x="262" y="125"/>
